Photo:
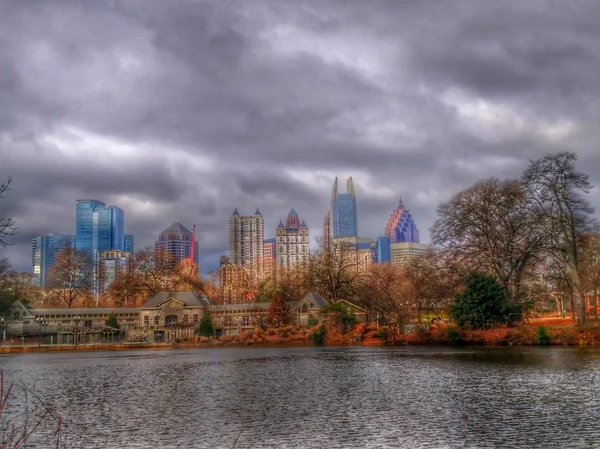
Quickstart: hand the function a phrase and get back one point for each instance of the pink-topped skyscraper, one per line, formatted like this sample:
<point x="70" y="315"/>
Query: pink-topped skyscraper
<point x="401" y="227"/>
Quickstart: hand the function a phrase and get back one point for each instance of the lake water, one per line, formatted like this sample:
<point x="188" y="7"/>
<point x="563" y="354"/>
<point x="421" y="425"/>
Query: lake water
<point x="349" y="397"/>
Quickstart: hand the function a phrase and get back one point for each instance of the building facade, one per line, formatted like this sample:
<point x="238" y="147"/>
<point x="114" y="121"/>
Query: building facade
<point x="293" y="242"/>
<point x="98" y="228"/>
<point x="342" y="219"/>
<point x="401" y="252"/>
<point x="129" y="244"/>
<point x="380" y="250"/>
<point x="358" y="252"/>
<point x="44" y="250"/>
<point x="269" y="258"/>
<point x="178" y="241"/>
<point x="246" y="240"/>
<point x="111" y="264"/>
<point x="401" y="227"/>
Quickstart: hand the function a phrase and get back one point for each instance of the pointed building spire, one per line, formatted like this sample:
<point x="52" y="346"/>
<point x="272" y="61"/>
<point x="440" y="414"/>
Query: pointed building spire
<point x="350" y="187"/>
<point x="257" y="212"/>
<point x="235" y="213"/>
<point x="280" y="225"/>
<point x="303" y="224"/>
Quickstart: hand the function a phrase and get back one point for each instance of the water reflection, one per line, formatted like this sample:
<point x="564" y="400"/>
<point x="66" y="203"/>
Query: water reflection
<point x="322" y="397"/>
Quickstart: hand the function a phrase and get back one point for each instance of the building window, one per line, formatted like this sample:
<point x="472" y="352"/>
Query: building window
<point x="195" y="317"/>
<point x="156" y="320"/>
<point x="185" y="318"/>
<point x="245" y="321"/>
<point x="146" y="320"/>
<point x="228" y="321"/>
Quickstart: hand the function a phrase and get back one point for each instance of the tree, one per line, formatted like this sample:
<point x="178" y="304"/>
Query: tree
<point x="556" y="196"/>
<point x="484" y="301"/>
<point x="205" y="328"/>
<point x="590" y="267"/>
<point x="112" y="321"/>
<point x="71" y="277"/>
<point x="153" y="269"/>
<point x="380" y="292"/>
<point x="340" y="315"/>
<point x="126" y="291"/>
<point x="185" y="277"/>
<point x="489" y="227"/>
<point x="278" y="313"/>
<point x="334" y="274"/>
<point x="7" y="224"/>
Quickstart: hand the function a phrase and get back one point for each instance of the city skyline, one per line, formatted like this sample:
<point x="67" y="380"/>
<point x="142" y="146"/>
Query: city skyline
<point x="267" y="106"/>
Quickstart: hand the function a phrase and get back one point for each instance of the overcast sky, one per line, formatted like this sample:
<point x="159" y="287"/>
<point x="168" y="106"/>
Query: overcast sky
<point x="183" y="110"/>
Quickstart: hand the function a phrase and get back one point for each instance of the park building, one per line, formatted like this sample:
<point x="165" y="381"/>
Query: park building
<point x="165" y="317"/>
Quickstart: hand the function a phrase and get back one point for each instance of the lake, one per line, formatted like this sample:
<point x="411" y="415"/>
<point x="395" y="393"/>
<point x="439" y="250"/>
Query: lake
<point x="331" y="397"/>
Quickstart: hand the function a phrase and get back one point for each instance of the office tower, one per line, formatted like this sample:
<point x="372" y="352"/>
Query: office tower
<point x="401" y="227"/>
<point x="342" y="218"/>
<point x="327" y="232"/>
<point x="246" y="240"/>
<point x="358" y="251"/>
<point x="292" y="242"/>
<point x="178" y="240"/>
<point x="129" y="244"/>
<point x="44" y="251"/>
<point x="401" y="252"/>
<point x="111" y="264"/>
<point x="98" y="228"/>
<point x="269" y="258"/>
<point x="380" y="250"/>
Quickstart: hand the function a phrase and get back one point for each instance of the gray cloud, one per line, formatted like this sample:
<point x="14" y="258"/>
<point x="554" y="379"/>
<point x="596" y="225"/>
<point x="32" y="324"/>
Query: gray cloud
<point x="183" y="110"/>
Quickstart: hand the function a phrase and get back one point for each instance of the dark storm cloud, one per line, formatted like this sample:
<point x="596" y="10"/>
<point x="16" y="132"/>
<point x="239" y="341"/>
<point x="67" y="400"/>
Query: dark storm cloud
<point x="184" y="110"/>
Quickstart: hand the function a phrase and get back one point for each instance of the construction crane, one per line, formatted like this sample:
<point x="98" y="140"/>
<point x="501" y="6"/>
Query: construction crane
<point x="193" y="244"/>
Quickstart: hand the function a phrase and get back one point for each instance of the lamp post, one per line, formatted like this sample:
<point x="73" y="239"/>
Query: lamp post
<point x="3" y="325"/>
<point x="42" y="324"/>
<point x="75" y="336"/>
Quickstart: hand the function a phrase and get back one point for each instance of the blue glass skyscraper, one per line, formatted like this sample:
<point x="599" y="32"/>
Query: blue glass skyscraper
<point x="44" y="250"/>
<point x="129" y="244"/>
<point x="99" y="228"/>
<point x="343" y="215"/>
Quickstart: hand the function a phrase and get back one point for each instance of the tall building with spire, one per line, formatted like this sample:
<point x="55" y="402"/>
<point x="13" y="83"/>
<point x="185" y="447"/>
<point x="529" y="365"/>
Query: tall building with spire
<point x="293" y="242"/>
<point x="246" y="240"/>
<point x="342" y="219"/>
<point x="401" y="226"/>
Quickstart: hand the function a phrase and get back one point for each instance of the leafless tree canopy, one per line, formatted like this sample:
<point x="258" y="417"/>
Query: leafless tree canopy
<point x="71" y="278"/>
<point x="7" y="224"/>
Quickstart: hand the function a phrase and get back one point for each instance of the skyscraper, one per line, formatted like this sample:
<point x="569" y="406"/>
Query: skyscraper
<point x="177" y="239"/>
<point x="129" y="244"/>
<point x="342" y="213"/>
<point x="246" y="240"/>
<point x="401" y="227"/>
<point x="292" y="241"/>
<point x="269" y="264"/>
<point x="99" y="228"/>
<point x="111" y="264"/>
<point x="44" y="251"/>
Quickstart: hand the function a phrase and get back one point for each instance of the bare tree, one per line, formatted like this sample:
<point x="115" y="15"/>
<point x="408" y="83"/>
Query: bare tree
<point x="334" y="274"/>
<point x="153" y="269"/>
<point x="7" y="224"/>
<point x="489" y="227"/>
<point x="185" y="277"/>
<point x="590" y="266"/>
<point x="71" y="277"/>
<point x="556" y="192"/>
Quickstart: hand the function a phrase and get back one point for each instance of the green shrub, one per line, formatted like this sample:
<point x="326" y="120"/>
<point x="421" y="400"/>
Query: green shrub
<point x="318" y="336"/>
<point x="112" y="321"/>
<point x="483" y="302"/>
<point x="177" y="340"/>
<point x="312" y="321"/>
<point x="542" y="337"/>
<point x="381" y="334"/>
<point x="205" y="328"/>
<point x="454" y="336"/>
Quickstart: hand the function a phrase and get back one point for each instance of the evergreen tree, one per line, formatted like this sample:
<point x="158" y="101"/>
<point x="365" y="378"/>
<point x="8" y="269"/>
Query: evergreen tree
<point x="205" y="329"/>
<point x="483" y="302"/>
<point x="112" y="321"/>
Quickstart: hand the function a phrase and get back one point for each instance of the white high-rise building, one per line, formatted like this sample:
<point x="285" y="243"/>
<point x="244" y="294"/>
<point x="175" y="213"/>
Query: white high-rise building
<point x="293" y="242"/>
<point x="246" y="237"/>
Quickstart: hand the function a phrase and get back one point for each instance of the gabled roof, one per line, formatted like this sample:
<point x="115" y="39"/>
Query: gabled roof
<point x="189" y="299"/>
<point x="317" y="301"/>
<point x="176" y="227"/>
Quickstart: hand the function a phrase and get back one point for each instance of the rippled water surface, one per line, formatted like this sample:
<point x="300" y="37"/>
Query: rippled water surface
<point x="347" y="397"/>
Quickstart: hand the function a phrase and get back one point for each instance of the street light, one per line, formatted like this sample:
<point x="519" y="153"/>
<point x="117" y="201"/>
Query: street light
<point x="76" y="319"/>
<point x="42" y="324"/>
<point x="3" y="325"/>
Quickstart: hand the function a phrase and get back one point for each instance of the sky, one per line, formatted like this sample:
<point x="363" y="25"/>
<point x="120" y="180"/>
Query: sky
<point x="183" y="110"/>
